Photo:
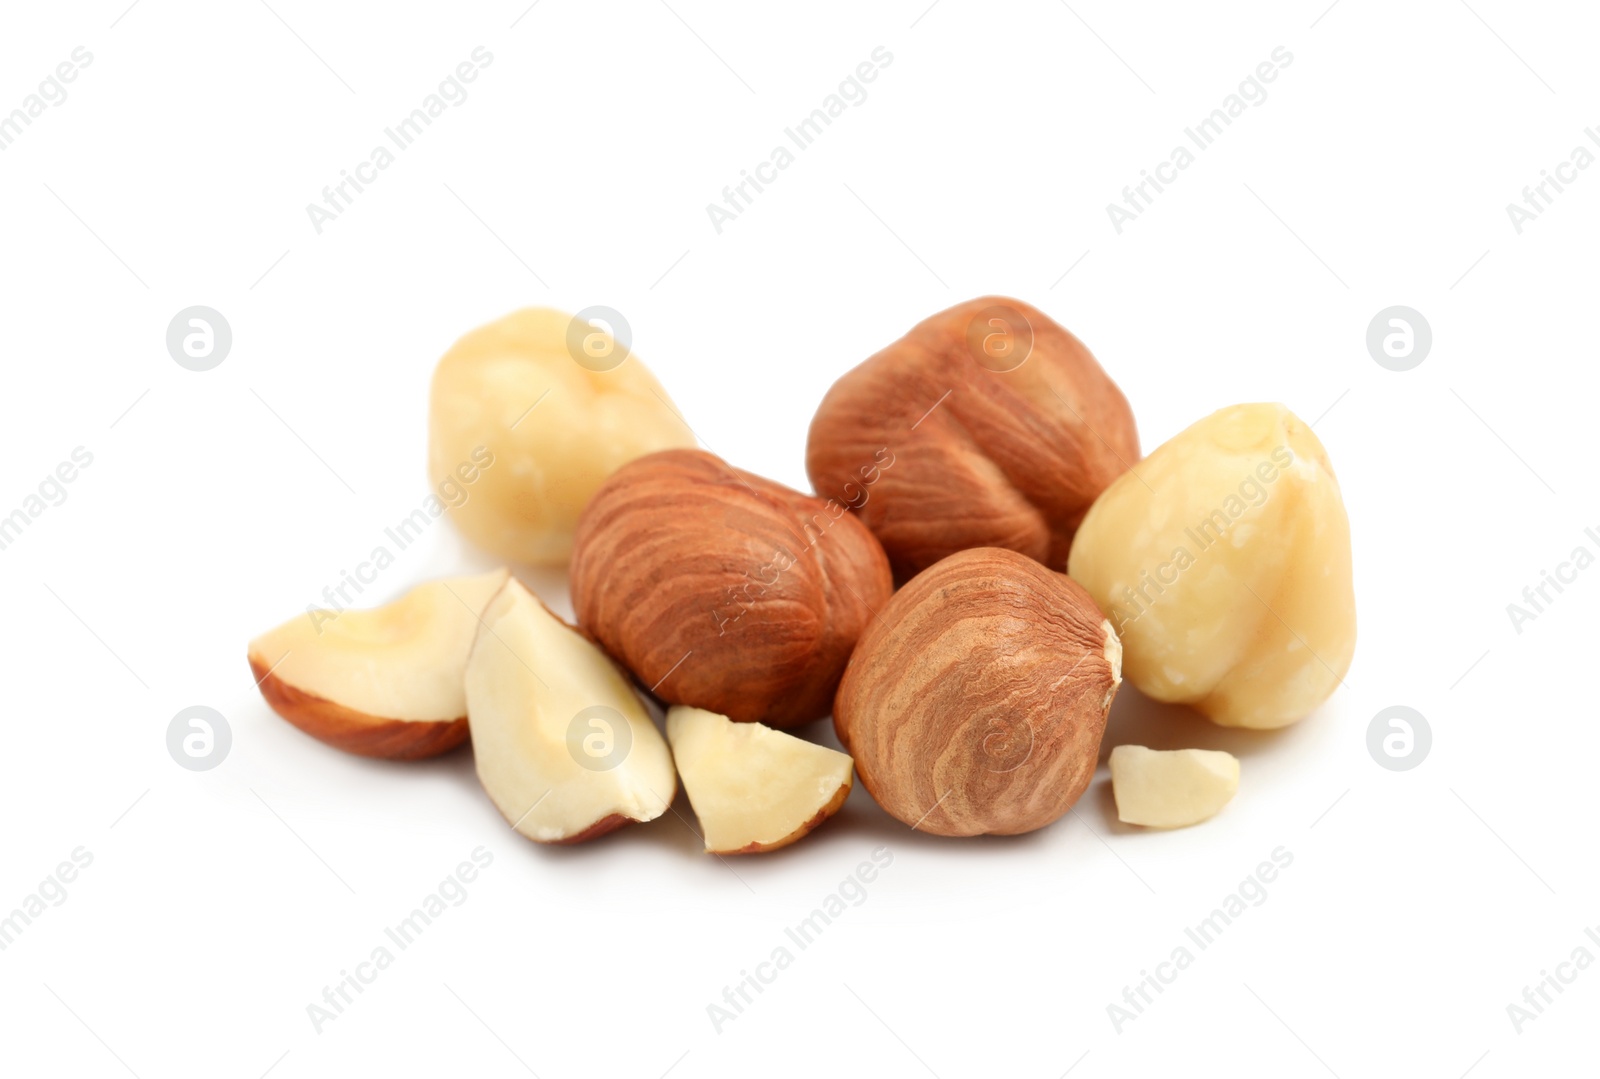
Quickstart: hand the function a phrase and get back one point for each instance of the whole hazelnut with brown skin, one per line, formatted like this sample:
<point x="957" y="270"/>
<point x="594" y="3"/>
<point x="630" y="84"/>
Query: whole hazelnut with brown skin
<point x="976" y="702"/>
<point x="723" y="590"/>
<point x="1003" y="430"/>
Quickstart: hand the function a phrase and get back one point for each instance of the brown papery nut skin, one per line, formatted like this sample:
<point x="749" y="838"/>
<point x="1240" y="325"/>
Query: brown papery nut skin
<point x="975" y="704"/>
<point x="723" y="590"/>
<point x="1002" y="427"/>
<point x="352" y="731"/>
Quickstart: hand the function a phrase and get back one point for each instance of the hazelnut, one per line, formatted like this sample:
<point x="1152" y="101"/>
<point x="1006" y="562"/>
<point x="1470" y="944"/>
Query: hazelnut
<point x="723" y="590"/>
<point x="566" y="752"/>
<point x="527" y="417"/>
<point x="1001" y="427"/>
<point x="1224" y="563"/>
<point x="754" y="789"/>
<point x="384" y="682"/>
<point x="975" y="704"/>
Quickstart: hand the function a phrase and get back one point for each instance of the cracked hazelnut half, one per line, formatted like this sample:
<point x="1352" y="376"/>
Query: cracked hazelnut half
<point x="723" y="590"/>
<point x="976" y="703"/>
<point x="382" y="682"/>
<point x="1001" y="426"/>
<point x="564" y="746"/>
<point x="754" y="789"/>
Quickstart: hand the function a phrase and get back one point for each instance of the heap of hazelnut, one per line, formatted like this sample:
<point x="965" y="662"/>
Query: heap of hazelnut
<point x="984" y="463"/>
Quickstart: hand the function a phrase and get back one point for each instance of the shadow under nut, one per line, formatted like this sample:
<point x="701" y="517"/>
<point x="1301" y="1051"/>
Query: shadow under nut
<point x="976" y="703"/>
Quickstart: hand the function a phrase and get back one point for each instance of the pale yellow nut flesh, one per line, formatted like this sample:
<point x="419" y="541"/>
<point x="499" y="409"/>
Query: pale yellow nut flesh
<point x="1223" y="561"/>
<point x="753" y="788"/>
<point x="564" y="746"/>
<point x="381" y="682"/>
<point x="520" y="434"/>
<point x="1171" y="788"/>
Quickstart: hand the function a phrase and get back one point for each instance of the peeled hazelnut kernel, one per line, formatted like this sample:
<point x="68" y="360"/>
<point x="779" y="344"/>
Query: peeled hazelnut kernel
<point x="723" y="590"/>
<point x="1171" y="788"/>
<point x="975" y="704"/>
<point x="1224" y="562"/>
<point x="521" y="433"/>
<point x="1000" y="428"/>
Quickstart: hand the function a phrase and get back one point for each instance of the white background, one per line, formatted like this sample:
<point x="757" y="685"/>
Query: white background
<point x="1377" y="172"/>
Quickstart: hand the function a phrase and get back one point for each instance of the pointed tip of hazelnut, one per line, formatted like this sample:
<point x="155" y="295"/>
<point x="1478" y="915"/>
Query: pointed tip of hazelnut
<point x="1113" y="654"/>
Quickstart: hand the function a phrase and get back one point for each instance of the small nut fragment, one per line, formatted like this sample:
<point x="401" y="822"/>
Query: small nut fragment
<point x="975" y="704"/>
<point x="1171" y="788"/>
<point x="723" y="590"/>
<point x="1000" y="428"/>
<point x="520" y="433"/>
<point x="1224" y="562"/>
